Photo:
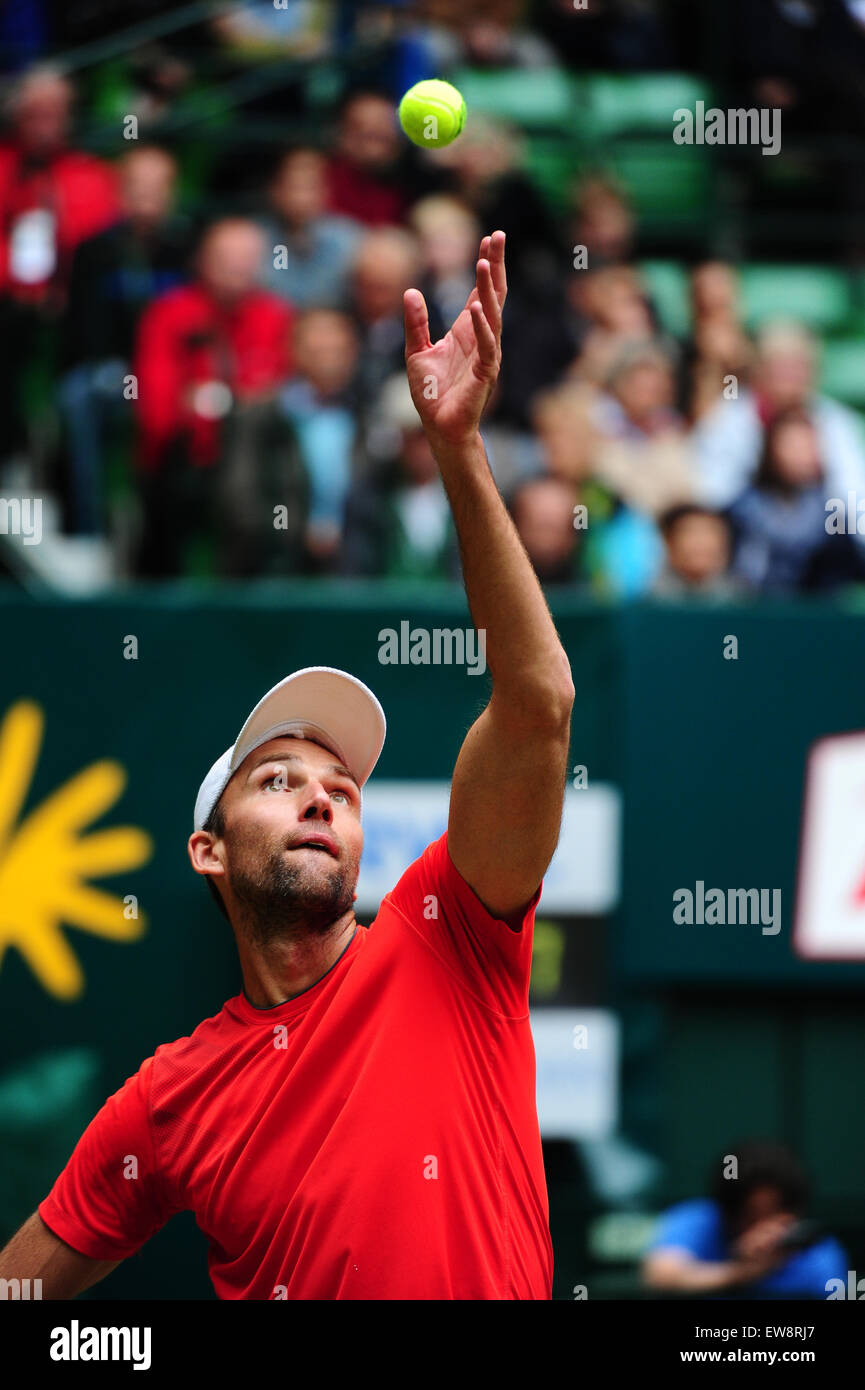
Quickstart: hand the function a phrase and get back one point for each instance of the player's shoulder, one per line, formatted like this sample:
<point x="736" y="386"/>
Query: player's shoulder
<point x="209" y="1041"/>
<point x="431" y="865"/>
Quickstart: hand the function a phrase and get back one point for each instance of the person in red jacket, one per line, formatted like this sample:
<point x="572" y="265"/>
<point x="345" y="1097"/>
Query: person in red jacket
<point x="52" y="197"/>
<point x="202" y="350"/>
<point x="362" y="174"/>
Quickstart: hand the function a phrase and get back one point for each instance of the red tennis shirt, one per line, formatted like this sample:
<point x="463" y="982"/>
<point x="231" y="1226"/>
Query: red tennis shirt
<point x="375" y="1137"/>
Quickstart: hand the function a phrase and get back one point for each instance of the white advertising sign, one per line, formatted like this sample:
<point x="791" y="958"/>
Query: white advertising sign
<point x="401" y="818"/>
<point x="830" y="899"/>
<point x="577" y="1054"/>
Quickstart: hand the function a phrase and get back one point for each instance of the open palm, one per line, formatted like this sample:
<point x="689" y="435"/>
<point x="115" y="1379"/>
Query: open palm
<point x="451" y="380"/>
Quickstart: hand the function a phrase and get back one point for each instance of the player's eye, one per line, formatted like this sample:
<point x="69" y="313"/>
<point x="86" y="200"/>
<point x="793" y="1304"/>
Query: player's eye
<point x="339" y="792"/>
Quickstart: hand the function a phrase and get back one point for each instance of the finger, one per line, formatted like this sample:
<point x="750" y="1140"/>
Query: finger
<point x="416" y="322"/>
<point x="496" y="258"/>
<point x="489" y="298"/>
<point x="473" y="298"/>
<point x="483" y="252"/>
<point x="484" y="336"/>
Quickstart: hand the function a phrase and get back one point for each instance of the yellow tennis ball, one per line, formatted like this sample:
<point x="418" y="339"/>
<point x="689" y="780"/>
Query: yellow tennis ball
<point x="432" y="113"/>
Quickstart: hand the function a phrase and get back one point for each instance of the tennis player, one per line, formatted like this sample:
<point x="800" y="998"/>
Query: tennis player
<point x="360" y="1121"/>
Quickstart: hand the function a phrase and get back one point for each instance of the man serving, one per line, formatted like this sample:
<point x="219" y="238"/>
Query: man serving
<point x="360" y="1121"/>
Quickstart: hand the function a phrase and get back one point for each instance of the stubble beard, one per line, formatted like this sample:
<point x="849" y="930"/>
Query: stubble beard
<point x="280" y="900"/>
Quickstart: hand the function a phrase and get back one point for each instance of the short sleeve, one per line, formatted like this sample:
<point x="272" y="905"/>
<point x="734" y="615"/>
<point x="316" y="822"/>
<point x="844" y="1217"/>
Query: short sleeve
<point x="107" y="1201"/>
<point x="691" y="1226"/>
<point x="493" y="960"/>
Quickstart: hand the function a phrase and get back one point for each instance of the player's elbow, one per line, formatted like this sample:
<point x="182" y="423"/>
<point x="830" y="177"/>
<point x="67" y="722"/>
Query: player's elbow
<point x="550" y="705"/>
<point x="544" y="707"/>
<point x="540" y="699"/>
<point x="556" y="699"/>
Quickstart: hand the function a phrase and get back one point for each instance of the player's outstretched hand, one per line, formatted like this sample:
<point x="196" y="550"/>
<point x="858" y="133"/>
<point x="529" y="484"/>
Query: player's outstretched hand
<point x="452" y="380"/>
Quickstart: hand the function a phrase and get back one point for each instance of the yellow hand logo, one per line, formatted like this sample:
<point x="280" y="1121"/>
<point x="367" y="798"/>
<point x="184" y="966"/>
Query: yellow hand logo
<point x="45" y="861"/>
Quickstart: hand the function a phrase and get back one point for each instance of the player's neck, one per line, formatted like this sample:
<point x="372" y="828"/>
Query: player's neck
<point x="287" y="966"/>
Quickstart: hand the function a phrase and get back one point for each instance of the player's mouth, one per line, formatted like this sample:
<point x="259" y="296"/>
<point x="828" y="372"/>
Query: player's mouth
<point x="322" y="843"/>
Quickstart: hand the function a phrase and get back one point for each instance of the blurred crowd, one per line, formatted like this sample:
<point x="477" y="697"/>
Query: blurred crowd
<point x="224" y="374"/>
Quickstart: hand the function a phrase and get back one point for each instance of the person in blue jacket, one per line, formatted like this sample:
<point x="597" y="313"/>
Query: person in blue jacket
<point x="750" y="1238"/>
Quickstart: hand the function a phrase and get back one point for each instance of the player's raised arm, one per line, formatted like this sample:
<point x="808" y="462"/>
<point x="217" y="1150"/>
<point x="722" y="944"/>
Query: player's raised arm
<point x="508" y="784"/>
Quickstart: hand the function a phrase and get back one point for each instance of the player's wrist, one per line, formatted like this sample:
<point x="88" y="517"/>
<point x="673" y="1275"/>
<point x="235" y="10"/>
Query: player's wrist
<point x="456" y="446"/>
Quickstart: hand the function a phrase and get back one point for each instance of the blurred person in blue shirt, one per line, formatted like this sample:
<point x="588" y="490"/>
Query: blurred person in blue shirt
<point x="310" y="250"/>
<point x="780" y="521"/>
<point x="750" y="1237"/>
<point x="322" y="402"/>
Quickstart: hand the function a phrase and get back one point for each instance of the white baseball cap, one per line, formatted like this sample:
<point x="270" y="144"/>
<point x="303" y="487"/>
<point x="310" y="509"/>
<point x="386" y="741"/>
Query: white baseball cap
<point x="329" y="707"/>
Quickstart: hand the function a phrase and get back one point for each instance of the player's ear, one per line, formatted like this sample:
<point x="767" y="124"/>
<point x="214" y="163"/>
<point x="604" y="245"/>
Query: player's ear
<point x="202" y="853"/>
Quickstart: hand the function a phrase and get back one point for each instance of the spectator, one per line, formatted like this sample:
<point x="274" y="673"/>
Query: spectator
<point x="749" y="1236"/>
<point x="490" y="34"/>
<point x="363" y="172"/>
<point x="114" y="275"/>
<point x="780" y="519"/>
<point x="603" y="222"/>
<point x="397" y="519"/>
<point x="321" y="403"/>
<point x="203" y="349"/>
<point x="715" y="292"/>
<point x="542" y="509"/>
<point x="615" y="313"/>
<point x="643" y="455"/>
<point x="386" y="266"/>
<point x="449" y="235"/>
<point x="579" y="331"/>
<point x="621" y="546"/>
<point x="717" y="356"/>
<point x="52" y="197"/>
<point x="729" y="440"/>
<point x="698" y="548"/>
<point x="309" y="251"/>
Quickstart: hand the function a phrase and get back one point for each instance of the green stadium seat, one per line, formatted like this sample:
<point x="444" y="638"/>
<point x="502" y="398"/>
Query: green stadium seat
<point x="667" y="283"/>
<point x="534" y="100"/>
<point x="817" y="296"/>
<point x="553" y="165"/>
<point x="843" y="371"/>
<point x="671" y="186"/>
<point x="612" y="106"/>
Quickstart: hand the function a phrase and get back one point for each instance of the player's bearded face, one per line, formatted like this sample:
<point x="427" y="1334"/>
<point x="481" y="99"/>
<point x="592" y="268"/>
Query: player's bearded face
<point x="283" y="890"/>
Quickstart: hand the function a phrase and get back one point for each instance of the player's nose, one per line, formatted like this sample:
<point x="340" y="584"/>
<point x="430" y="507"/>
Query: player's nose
<point x="318" y="805"/>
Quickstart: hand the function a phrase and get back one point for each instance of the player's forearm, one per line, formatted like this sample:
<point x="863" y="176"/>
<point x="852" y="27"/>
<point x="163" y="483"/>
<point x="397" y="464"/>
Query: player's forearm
<point x="524" y="654"/>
